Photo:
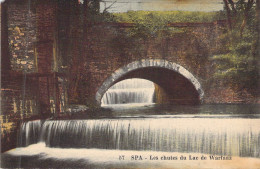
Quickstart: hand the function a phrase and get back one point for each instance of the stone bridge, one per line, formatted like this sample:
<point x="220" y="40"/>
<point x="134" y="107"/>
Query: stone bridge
<point x="54" y="56"/>
<point x="179" y="64"/>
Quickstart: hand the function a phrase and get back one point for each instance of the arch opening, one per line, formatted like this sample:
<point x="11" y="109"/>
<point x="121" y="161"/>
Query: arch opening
<point x="173" y="83"/>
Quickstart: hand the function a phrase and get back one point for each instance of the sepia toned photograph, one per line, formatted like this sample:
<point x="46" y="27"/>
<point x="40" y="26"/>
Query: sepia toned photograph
<point x="119" y="84"/>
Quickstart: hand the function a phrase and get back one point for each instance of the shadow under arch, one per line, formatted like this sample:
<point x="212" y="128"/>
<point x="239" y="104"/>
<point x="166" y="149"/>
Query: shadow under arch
<point x="145" y="69"/>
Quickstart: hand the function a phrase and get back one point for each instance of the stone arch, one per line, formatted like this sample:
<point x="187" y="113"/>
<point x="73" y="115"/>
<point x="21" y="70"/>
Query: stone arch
<point x="148" y="63"/>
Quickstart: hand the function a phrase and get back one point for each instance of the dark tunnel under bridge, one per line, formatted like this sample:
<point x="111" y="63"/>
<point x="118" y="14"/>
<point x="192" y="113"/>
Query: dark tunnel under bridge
<point x="173" y="83"/>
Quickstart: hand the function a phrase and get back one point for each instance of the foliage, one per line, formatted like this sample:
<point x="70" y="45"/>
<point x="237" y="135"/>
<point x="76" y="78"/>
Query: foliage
<point x="238" y="65"/>
<point x="155" y="23"/>
<point x="237" y="62"/>
<point x="166" y="16"/>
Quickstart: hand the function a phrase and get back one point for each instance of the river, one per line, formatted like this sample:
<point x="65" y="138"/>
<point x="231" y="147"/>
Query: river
<point x="136" y="133"/>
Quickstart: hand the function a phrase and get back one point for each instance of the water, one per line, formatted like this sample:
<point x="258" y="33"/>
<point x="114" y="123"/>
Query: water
<point x="173" y="134"/>
<point x="29" y="132"/>
<point x="129" y="91"/>
<point x="147" y="131"/>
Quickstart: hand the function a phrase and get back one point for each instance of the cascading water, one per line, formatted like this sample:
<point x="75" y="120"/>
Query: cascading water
<point x="163" y="133"/>
<point x="129" y="91"/>
<point x="169" y="134"/>
<point x="29" y="132"/>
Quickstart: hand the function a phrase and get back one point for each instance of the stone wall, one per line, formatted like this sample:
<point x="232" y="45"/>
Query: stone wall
<point x="31" y="32"/>
<point x="28" y="57"/>
<point x="21" y="35"/>
<point x="58" y="36"/>
<point x="110" y="49"/>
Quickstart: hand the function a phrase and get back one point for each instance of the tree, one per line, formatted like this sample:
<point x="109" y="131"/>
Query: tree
<point x="237" y="11"/>
<point x="238" y="65"/>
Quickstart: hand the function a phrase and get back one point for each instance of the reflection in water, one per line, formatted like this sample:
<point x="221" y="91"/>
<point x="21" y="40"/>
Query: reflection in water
<point x="129" y="91"/>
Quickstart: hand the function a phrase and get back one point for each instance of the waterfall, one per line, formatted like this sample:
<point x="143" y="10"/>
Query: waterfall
<point x="182" y="134"/>
<point x="129" y="91"/>
<point x="29" y="132"/>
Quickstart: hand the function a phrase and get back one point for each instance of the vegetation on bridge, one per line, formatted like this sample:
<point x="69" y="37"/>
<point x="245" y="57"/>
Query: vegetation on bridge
<point x="165" y="17"/>
<point x="151" y="28"/>
<point x="236" y="59"/>
<point x="151" y="23"/>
